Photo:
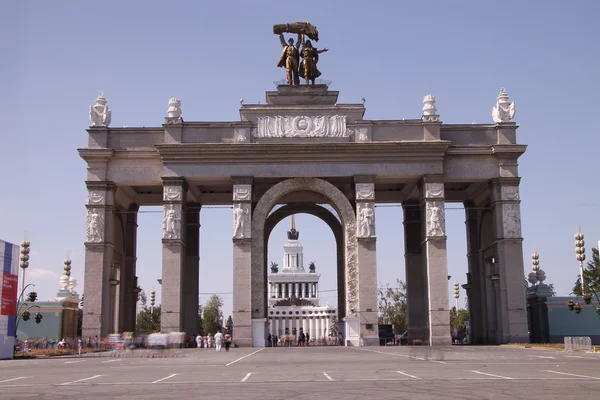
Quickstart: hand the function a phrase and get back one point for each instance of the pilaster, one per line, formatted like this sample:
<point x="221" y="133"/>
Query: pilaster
<point x="416" y="274"/>
<point x="435" y="258"/>
<point x="248" y="283"/>
<point x="174" y="253"/>
<point x="509" y="256"/>
<point x="99" y="247"/>
<point x="191" y="270"/>
<point x="367" y="258"/>
<point x="475" y="282"/>
<point x="128" y="283"/>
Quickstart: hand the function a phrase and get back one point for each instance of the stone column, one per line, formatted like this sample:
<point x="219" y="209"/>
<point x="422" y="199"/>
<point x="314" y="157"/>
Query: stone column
<point x="174" y="254"/>
<point x="192" y="269"/>
<point x="435" y="259"/>
<point x="476" y="276"/>
<point x="99" y="247"/>
<point x="416" y="274"/>
<point x="509" y="252"/>
<point x="242" y="263"/>
<point x="367" y="260"/>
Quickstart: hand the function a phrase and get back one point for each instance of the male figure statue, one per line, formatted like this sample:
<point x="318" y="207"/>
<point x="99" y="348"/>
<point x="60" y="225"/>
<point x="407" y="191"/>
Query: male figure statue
<point x="290" y="58"/>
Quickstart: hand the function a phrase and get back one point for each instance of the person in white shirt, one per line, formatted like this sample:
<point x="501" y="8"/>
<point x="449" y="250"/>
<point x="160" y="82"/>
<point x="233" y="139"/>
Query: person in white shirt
<point x="199" y="341"/>
<point x="218" y="340"/>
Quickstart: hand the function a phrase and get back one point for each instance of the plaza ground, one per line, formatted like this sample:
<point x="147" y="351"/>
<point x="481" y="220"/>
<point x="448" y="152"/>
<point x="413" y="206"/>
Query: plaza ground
<point x="315" y="372"/>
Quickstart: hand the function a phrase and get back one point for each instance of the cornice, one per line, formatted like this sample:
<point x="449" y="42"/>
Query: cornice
<point x="95" y="154"/>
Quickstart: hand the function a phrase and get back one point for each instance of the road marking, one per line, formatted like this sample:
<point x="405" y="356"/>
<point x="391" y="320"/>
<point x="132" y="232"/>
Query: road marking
<point x="247" y="355"/>
<point x="542" y="356"/>
<point x="495" y="376"/>
<point x="109" y="361"/>
<point x="441" y="362"/>
<point x="13" y="379"/>
<point x="164" y="379"/>
<point x="390" y="354"/>
<point x="81" y="380"/>
<point x="564" y="373"/>
<point x="587" y="358"/>
<point x="74" y="362"/>
<point x="246" y="377"/>
<point x="409" y="375"/>
<point x="327" y="376"/>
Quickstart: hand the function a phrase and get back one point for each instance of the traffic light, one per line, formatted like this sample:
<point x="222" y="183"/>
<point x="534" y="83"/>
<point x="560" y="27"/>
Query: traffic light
<point x="32" y="297"/>
<point x="38" y="318"/>
<point x="456" y="290"/>
<point x="26" y="316"/>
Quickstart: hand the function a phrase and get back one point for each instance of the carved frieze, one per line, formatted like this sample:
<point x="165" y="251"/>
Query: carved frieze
<point x="362" y="135"/>
<point x="171" y="221"/>
<point x="242" y="192"/>
<point x="434" y="190"/>
<point x="301" y="126"/>
<point x="365" y="191"/>
<point x="95" y="225"/>
<point x="512" y="220"/>
<point x="241" y="221"/>
<point x="240" y="135"/>
<point x="366" y="220"/>
<point x="510" y="193"/>
<point x="172" y="193"/>
<point x="436" y="219"/>
<point x="96" y="198"/>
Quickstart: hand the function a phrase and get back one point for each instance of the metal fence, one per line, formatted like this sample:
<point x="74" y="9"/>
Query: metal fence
<point x="578" y="343"/>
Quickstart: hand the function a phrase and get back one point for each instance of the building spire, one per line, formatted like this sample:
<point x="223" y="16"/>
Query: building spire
<point x="293" y="234"/>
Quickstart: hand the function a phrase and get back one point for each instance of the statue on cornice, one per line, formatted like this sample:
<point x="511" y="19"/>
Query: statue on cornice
<point x="99" y="112"/>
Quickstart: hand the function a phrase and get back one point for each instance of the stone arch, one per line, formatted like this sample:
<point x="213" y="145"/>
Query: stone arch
<point x="259" y="217"/>
<point x="336" y="227"/>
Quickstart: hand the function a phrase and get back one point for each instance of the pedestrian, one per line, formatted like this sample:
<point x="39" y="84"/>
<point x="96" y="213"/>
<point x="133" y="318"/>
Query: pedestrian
<point x="79" y="345"/>
<point x="218" y="340"/>
<point x="199" y="341"/>
<point x="227" y="341"/>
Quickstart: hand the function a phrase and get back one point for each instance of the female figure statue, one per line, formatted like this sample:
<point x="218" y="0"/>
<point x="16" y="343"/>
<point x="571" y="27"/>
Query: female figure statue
<point x="310" y="58"/>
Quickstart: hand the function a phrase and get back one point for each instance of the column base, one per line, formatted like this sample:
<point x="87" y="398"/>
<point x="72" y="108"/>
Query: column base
<point x="445" y="340"/>
<point x="352" y="330"/>
<point x="259" y="330"/>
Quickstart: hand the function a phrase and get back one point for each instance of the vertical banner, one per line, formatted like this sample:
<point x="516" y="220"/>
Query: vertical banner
<point x="9" y="277"/>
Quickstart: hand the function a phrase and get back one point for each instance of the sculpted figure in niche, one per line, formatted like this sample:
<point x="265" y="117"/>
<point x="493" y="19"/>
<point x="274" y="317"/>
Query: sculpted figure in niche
<point x="94" y="226"/>
<point x="367" y="220"/>
<point x="240" y="216"/>
<point x="171" y="223"/>
<point x="512" y="222"/>
<point x="435" y="221"/>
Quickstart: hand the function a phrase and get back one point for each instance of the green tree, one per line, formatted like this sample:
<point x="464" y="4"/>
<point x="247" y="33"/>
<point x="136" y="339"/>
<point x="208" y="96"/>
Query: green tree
<point x="200" y="331"/>
<point x="212" y="315"/>
<point x="143" y="299"/>
<point x="458" y="319"/>
<point x="148" y="320"/>
<point x="591" y="275"/>
<point x="333" y="328"/>
<point x="393" y="308"/>
<point x="229" y="325"/>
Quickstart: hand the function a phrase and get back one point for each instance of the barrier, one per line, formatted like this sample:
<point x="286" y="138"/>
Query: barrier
<point x="578" y="343"/>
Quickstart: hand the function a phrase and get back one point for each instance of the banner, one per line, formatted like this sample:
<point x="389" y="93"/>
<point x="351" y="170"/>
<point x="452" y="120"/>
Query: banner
<point x="8" y="298"/>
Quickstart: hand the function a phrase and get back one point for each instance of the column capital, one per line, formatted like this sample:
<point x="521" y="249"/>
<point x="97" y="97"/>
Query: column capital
<point x="432" y="178"/>
<point x="505" y="190"/>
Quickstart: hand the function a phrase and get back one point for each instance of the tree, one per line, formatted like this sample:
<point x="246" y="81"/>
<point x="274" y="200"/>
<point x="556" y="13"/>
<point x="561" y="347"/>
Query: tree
<point x="591" y="275"/>
<point x="458" y="319"/>
<point x="200" y="331"/>
<point x="393" y="308"/>
<point x="143" y="299"/>
<point x="212" y="316"/>
<point x="274" y="268"/>
<point x="229" y="325"/>
<point x="148" y="320"/>
<point x="333" y="328"/>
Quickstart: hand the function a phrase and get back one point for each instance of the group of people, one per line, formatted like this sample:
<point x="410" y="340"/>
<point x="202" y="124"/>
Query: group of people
<point x="217" y="341"/>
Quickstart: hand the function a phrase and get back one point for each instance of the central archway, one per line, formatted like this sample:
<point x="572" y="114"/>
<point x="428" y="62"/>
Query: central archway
<point x="259" y="218"/>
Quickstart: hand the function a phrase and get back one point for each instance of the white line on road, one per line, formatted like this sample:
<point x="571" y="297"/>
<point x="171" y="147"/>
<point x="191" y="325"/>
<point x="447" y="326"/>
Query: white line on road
<point x="564" y="373"/>
<point x="241" y="358"/>
<point x="440" y="362"/>
<point x="74" y="362"/>
<point x="164" y="379"/>
<point x="409" y="375"/>
<point x="13" y="379"/>
<point x="542" y="356"/>
<point x="587" y="358"/>
<point x="246" y="377"/>
<point x="81" y="380"/>
<point x="495" y="376"/>
<point x="327" y="376"/>
<point x="109" y="361"/>
<point x="390" y="354"/>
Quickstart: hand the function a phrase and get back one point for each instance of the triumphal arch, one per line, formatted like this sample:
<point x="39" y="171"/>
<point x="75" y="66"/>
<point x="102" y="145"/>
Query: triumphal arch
<point x="302" y="151"/>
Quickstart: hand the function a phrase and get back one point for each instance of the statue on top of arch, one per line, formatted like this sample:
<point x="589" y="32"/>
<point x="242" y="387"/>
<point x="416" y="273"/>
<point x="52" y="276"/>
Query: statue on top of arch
<point x="290" y="57"/>
<point x="99" y="112"/>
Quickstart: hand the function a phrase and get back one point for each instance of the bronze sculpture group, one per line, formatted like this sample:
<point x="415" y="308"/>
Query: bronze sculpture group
<point x="290" y="57"/>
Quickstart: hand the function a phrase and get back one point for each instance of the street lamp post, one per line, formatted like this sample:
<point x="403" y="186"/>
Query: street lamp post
<point x="456" y="294"/>
<point x="580" y="256"/>
<point x="24" y="264"/>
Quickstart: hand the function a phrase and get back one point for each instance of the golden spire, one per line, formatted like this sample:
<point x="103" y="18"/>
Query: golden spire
<point x="293" y="222"/>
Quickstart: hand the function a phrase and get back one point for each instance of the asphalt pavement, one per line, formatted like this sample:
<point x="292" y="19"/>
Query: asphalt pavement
<point x="457" y="372"/>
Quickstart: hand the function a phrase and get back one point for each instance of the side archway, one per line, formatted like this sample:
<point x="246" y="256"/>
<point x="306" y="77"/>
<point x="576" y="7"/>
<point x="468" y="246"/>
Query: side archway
<point x="259" y="218"/>
<point x="336" y="227"/>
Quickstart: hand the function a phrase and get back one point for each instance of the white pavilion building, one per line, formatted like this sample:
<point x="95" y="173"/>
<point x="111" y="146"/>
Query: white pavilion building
<point x="293" y="293"/>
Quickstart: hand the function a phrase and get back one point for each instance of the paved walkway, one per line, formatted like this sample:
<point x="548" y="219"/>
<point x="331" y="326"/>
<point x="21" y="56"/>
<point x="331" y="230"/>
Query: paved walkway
<point x="308" y="373"/>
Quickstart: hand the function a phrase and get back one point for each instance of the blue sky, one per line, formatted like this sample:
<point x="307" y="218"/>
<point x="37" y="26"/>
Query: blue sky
<point x="58" y="55"/>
